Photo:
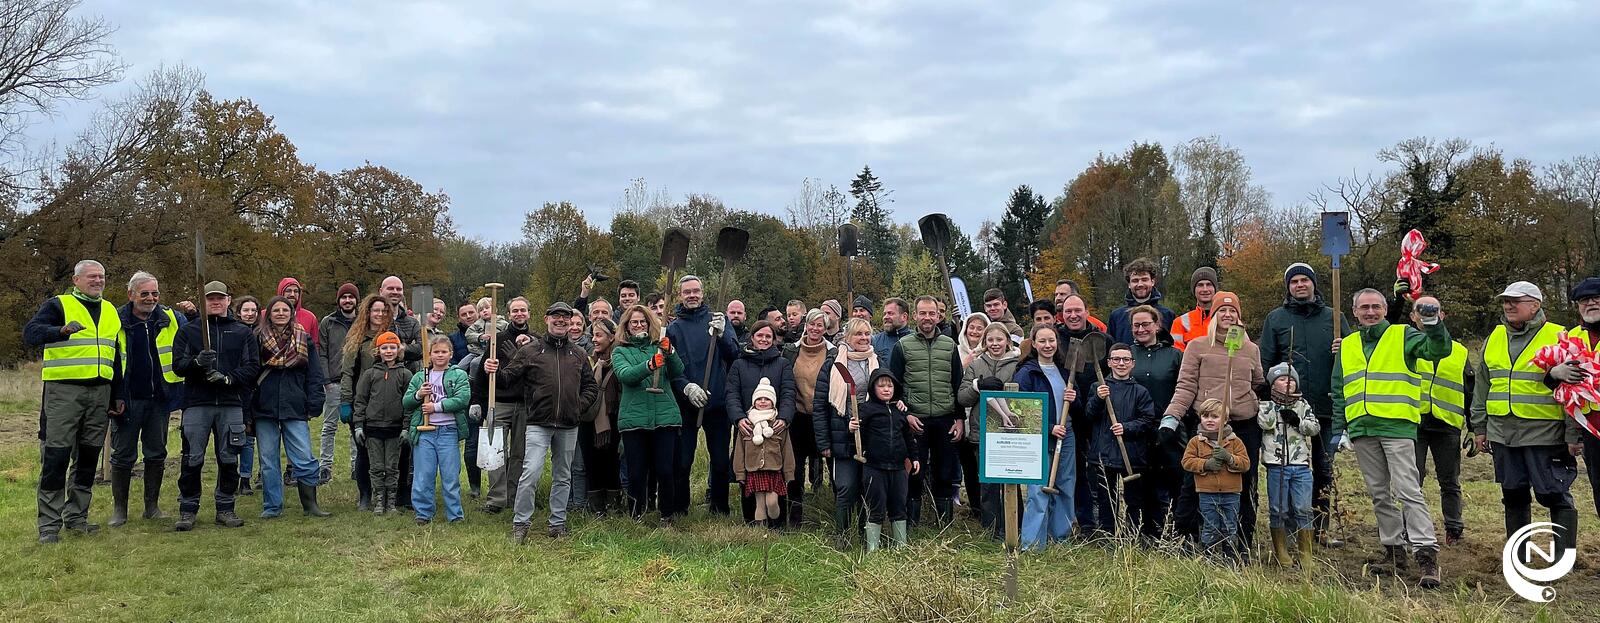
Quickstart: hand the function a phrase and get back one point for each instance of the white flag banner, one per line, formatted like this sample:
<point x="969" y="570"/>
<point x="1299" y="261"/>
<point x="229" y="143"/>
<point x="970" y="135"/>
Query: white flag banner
<point x="1027" y="288"/>
<point x="960" y="289"/>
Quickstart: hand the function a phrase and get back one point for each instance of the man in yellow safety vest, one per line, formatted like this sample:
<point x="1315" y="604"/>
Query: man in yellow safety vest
<point x="1446" y="387"/>
<point x="84" y="350"/>
<point x="153" y="390"/>
<point x="1516" y="417"/>
<point x="1377" y="396"/>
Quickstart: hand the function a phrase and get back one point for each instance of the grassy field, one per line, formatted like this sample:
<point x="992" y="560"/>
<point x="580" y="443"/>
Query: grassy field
<point x="357" y="567"/>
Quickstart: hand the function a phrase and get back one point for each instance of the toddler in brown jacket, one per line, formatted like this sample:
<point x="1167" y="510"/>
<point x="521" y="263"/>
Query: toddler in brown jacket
<point x="1218" y="460"/>
<point x="764" y="465"/>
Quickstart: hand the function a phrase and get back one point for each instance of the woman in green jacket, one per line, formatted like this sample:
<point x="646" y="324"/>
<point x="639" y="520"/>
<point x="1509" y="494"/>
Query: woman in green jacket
<point x="647" y="414"/>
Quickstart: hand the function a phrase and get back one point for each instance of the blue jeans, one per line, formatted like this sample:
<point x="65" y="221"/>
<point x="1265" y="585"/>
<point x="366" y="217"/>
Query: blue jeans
<point x="1049" y="516"/>
<point x="1219" y="513"/>
<point x="247" y="457"/>
<point x="1289" y="496"/>
<point x="295" y="439"/>
<point x="437" y="452"/>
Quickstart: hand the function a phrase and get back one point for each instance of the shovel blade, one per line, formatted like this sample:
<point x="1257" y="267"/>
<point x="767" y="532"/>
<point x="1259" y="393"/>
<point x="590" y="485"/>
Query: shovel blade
<point x="674" y="248"/>
<point x="848" y="235"/>
<point x="731" y="243"/>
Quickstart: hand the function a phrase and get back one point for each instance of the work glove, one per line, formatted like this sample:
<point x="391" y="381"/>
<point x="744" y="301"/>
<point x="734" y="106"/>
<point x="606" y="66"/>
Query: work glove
<point x="72" y="327"/>
<point x="361" y="435"/>
<point x="1288" y="416"/>
<point x="666" y="344"/>
<point x="718" y="325"/>
<point x="216" y="376"/>
<point x="696" y="395"/>
<point x="657" y="361"/>
<point x="207" y="359"/>
<point x="1218" y="461"/>
<point x="475" y="413"/>
<point x="1402" y="287"/>
<point x="990" y="384"/>
<point x="1344" y="443"/>
<point x="345" y="411"/>
<point x="1568" y="372"/>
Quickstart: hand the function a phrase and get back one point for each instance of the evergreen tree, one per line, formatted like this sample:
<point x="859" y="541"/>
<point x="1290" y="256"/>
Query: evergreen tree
<point x="878" y="243"/>
<point x="1018" y="239"/>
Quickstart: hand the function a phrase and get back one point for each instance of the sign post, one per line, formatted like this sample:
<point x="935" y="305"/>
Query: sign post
<point x="1336" y="244"/>
<point x="1013" y="452"/>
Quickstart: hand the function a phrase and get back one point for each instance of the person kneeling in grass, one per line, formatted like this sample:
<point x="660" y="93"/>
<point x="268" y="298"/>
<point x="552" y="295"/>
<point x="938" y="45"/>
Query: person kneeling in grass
<point x="437" y="397"/>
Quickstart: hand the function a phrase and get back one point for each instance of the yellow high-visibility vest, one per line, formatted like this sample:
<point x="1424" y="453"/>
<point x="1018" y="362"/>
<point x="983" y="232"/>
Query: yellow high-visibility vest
<point x="1517" y="388"/>
<point x="88" y="354"/>
<point x="1444" y="387"/>
<point x="164" y="341"/>
<point x="1383" y="386"/>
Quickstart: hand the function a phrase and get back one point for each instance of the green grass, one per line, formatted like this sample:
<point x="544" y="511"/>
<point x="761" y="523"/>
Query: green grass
<point x="357" y="567"/>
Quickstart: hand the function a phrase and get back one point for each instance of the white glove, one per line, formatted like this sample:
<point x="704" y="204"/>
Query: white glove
<point x="696" y="396"/>
<point x="1169" y="423"/>
<point x="1344" y="443"/>
<point x="475" y="413"/>
<point x="718" y="325"/>
<point x="1567" y="373"/>
<point x="361" y="435"/>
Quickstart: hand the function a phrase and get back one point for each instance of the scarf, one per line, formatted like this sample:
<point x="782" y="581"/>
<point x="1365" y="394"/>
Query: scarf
<point x="602" y="400"/>
<point x="1284" y="399"/>
<point x="838" y="390"/>
<point x="285" y="348"/>
<point x="84" y="297"/>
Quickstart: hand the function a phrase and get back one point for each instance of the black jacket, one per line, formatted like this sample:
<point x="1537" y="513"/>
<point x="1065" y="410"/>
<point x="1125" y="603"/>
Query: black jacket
<point x="746" y="374"/>
<point x="1137" y="413"/>
<point x="238" y="356"/>
<point x="885" y="431"/>
<point x="506" y="389"/>
<point x="557" y="385"/>
<point x="291" y="393"/>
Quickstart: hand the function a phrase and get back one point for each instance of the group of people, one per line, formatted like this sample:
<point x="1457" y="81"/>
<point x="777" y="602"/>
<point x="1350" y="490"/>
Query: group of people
<point x="1164" y="430"/>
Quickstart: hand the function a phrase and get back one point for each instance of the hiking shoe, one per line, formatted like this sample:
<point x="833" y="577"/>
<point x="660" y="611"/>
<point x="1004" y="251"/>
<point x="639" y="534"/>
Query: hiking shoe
<point x="48" y="538"/>
<point x="84" y="527"/>
<point x="557" y="531"/>
<point x="1428" y="567"/>
<point x="423" y="522"/>
<point x="1392" y="562"/>
<point x="229" y="520"/>
<point x="492" y="509"/>
<point x="1454" y="537"/>
<point x="519" y="533"/>
<point x="185" y="522"/>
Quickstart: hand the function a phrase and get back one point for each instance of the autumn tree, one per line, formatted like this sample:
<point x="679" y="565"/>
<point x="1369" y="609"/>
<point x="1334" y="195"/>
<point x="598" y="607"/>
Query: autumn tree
<point x="1216" y="190"/>
<point x="565" y="245"/>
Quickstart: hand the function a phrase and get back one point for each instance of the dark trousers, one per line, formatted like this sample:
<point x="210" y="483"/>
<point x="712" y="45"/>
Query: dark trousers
<point x="1250" y="433"/>
<point x="470" y="455"/>
<point x="362" y="467"/>
<point x="969" y="475"/>
<point x="719" y="436"/>
<point x="1083" y="487"/>
<point x="600" y="462"/>
<point x="1591" y="462"/>
<point x="402" y="497"/>
<point x="222" y="427"/>
<point x="1186" y="509"/>
<point x="886" y="494"/>
<point x="651" y="454"/>
<point x="1102" y="501"/>
<point x="804" y="447"/>
<point x="1445" y="446"/>
<point x="1148" y="498"/>
<point x="941" y="473"/>
<point x="1322" y="477"/>
<point x="847" y="478"/>
<point x="144" y="422"/>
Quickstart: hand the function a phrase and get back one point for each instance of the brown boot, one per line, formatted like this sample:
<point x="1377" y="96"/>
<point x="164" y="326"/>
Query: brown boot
<point x="1307" y="542"/>
<point x="1428" y="567"/>
<point x="1280" y="548"/>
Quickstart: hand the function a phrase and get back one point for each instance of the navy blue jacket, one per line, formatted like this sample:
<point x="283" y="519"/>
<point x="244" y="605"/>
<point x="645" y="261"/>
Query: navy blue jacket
<point x="690" y="339"/>
<point x="1120" y="327"/>
<point x="144" y="378"/>
<point x="290" y="393"/>
<point x="1031" y="378"/>
<point x="885" y="433"/>
<point x="458" y="343"/>
<point x="883" y="344"/>
<point x="1137" y="413"/>
<point x="238" y="356"/>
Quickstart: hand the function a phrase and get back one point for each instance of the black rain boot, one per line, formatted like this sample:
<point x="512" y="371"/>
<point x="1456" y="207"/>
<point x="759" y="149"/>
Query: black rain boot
<point x="1516" y="518"/>
<point x="598" y="501"/>
<point x="945" y="507"/>
<point x="1567" y="536"/>
<point x="153" y="473"/>
<point x="244" y="487"/>
<point x="120" y="476"/>
<point x="308" y="501"/>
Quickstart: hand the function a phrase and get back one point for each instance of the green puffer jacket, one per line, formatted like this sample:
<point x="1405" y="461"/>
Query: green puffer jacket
<point x="457" y="397"/>
<point x="640" y="408"/>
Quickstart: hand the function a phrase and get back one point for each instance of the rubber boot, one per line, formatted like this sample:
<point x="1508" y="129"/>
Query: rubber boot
<point x="944" y="507"/>
<point x="1307" y="543"/>
<point x="1280" y="548"/>
<point x="244" y="487"/>
<point x="898" y="533"/>
<point x="308" y="501"/>
<point x="874" y="534"/>
<point x="379" y="504"/>
<point x="364" y="502"/>
<point x="1516" y="518"/>
<point x="152" y="489"/>
<point x="119" y="495"/>
<point x="598" y="501"/>
<point x="1567" y="536"/>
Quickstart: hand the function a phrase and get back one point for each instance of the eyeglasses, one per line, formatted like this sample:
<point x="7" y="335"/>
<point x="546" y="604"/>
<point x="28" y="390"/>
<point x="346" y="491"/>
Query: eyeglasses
<point x="1140" y="325"/>
<point x="149" y="294"/>
<point x="1120" y="359"/>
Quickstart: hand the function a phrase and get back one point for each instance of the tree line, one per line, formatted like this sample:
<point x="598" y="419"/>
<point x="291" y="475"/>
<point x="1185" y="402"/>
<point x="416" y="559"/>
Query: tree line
<point x="169" y="160"/>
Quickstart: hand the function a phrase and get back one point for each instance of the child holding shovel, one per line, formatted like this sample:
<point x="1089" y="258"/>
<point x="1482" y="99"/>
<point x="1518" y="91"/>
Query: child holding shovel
<point x="1217" y="458"/>
<point x="437" y="399"/>
<point x="1122" y="415"/>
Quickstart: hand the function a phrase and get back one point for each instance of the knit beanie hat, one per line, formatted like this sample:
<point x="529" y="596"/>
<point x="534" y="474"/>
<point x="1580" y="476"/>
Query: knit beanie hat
<point x="834" y="306"/>
<point x="1282" y="369"/>
<point x="1299" y="268"/>
<point x="863" y="302"/>
<point x="348" y="288"/>
<point x="387" y="337"/>
<point x="1204" y="273"/>
<point x="1226" y="299"/>
<point x="764" y="390"/>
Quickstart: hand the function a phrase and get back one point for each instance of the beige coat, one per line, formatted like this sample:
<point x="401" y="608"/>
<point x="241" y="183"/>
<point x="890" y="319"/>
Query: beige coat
<point x="1204" y="374"/>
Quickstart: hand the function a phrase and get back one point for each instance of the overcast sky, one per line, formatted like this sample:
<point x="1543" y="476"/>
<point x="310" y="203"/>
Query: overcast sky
<point x="505" y="106"/>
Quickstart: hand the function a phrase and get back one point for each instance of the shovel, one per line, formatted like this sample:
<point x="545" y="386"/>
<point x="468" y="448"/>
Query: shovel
<point x="1075" y="358"/>
<point x="674" y="253"/>
<point x="847" y="249"/>
<point x="1096" y="345"/>
<point x="731" y="245"/>
<point x="855" y="408"/>
<point x="935" y="230"/>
